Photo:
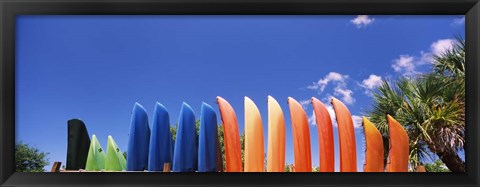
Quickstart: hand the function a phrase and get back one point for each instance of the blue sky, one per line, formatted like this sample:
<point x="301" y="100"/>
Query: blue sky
<point x="96" y="67"/>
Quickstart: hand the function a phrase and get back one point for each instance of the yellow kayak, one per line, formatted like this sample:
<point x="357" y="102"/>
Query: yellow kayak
<point x="374" y="148"/>
<point x="301" y="137"/>
<point x="325" y="136"/>
<point x="398" y="153"/>
<point x="254" y="152"/>
<point x="346" y="135"/>
<point x="276" y="137"/>
<point x="231" y="137"/>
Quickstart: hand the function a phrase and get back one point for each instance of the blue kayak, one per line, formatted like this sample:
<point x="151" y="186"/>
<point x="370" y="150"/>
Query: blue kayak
<point x="185" y="151"/>
<point x="138" y="141"/>
<point x="160" y="140"/>
<point x="207" y="140"/>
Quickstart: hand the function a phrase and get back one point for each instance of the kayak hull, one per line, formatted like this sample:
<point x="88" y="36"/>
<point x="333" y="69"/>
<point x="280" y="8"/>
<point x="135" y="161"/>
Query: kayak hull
<point x="346" y="135"/>
<point x="160" y="151"/>
<point x="78" y="145"/>
<point x="398" y="153"/>
<point x="96" y="156"/>
<point x="276" y="137"/>
<point x="374" y="148"/>
<point x="185" y="153"/>
<point x="114" y="160"/>
<point x="207" y="140"/>
<point x="254" y="152"/>
<point x="139" y="139"/>
<point x="325" y="135"/>
<point x="301" y="137"/>
<point x="231" y="136"/>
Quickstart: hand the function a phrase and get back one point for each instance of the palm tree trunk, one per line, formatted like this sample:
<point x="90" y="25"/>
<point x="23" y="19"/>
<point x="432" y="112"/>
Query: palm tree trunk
<point x="449" y="157"/>
<point x="452" y="161"/>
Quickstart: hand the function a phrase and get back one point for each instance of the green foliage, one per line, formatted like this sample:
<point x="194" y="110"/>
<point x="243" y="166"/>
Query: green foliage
<point x="437" y="166"/>
<point x="451" y="62"/>
<point x="29" y="159"/>
<point x="173" y="130"/>
<point x="125" y="154"/>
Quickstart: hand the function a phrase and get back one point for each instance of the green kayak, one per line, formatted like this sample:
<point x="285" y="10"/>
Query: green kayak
<point x="115" y="160"/>
<point x="96" y="156"/>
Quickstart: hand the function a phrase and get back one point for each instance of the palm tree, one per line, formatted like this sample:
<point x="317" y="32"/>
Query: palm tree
<point x="452" y="62"/>
<point x="431" y="107"/>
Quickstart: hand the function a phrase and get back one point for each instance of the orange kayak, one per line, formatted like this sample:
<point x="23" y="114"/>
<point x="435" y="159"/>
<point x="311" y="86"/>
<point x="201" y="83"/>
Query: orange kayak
<point x="346" y="135"/>
<point x="325" y="136"/>
<point x="276" y="137"/>
<point x="398" y="153"/>
<point x="231" y="137"/>
<point x="301" y="137"/>
<point x="254" y="152"/>
<point x="374" y="148"/>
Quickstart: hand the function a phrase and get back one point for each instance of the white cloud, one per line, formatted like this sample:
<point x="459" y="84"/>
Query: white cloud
<point x="425" y="58"/>
<point x="372" y="82"/>
<point x="345" y="93"/>
<point x="357" y="121"/>
<point x="441" y="46"/>
<point x="333" y="117"/>
<point x="362" y="21"/>
<point x="322" y="83"/>
<point x="305" y="103"/>
<point x="407" y="64"/>
<point x="340" y="89"/>
<point x="311" y="119"/>
<point x="459" y="21"/>
<point x="404" y="64"/>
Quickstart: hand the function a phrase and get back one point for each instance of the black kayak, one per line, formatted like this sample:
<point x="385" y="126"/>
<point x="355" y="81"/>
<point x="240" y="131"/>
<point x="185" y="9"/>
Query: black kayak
<point x="78" y="145"/>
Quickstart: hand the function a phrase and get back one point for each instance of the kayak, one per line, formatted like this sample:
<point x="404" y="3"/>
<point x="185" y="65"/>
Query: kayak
<point x="254" y="152"/>
<point x="374" y="148"/>
<point x="276" y="137"/>
<point x="301" y="137"/>
<point x="96" y="156"/>
<point x="139" y="139"/>
<point x="207" y="140"/>
<point x="114" y="161"/>
<point x="160" y="151"/>
<point x="185" y="153"/>
<point x="231" y="137"/>
<point x="325" y="136"/>
<point x="398" y="153"/>
<point x="346" y="135"/>
<point x="78" y="145"/>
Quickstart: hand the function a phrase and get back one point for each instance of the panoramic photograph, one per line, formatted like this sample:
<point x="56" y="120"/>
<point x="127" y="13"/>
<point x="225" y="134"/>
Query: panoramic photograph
<point x="319" y="93"/>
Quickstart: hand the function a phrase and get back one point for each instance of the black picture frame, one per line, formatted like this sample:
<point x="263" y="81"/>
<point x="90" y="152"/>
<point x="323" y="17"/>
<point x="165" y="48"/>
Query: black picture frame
<point x="11" y="8"/>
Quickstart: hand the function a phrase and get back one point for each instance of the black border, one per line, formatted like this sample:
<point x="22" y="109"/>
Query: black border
<point x="10" y="8"/>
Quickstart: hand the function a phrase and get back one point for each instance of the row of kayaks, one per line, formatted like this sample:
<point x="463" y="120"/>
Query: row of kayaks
<point x="149" y="149"/>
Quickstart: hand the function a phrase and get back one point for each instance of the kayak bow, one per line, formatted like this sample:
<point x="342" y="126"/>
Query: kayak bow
<point x="301" y="137"/>
<point x="325" y="136"/>
<point x="276" y="137"/>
